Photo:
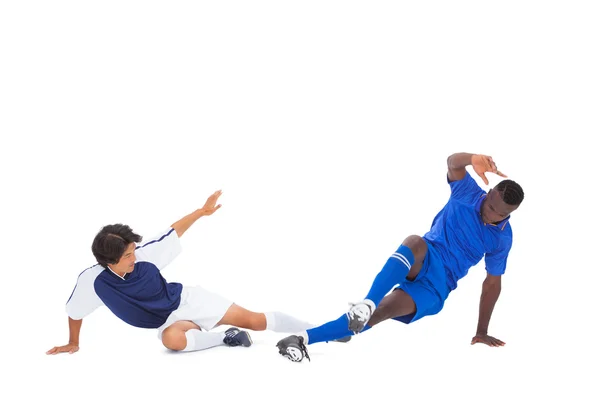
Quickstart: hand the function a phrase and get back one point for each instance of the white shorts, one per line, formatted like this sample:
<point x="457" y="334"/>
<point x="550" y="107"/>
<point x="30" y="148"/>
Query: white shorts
<point x="201" y="306"/>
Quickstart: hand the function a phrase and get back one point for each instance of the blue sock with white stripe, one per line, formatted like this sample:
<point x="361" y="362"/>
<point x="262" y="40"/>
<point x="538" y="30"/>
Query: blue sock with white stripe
<point x="393" y="272"/>
<point x="330" y="331"/>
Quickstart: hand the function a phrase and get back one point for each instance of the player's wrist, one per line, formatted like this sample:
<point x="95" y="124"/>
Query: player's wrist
<point x="475" y="158"/>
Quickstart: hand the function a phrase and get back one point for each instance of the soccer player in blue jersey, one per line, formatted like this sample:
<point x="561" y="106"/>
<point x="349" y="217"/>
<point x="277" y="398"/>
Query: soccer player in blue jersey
<point x="473" y="225"/>
<point x="127" y="280"/>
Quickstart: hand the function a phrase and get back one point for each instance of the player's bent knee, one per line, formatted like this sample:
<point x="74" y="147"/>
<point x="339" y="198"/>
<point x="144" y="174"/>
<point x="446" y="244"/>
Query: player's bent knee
<point x="174" y="339"/>
<point x="417" y="245"/>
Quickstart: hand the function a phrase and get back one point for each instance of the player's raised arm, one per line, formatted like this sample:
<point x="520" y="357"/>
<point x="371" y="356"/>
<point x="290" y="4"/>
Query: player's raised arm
<point x="456" y="165"/>
<point x="208" y="209"/>
<point x="458" y="162"/>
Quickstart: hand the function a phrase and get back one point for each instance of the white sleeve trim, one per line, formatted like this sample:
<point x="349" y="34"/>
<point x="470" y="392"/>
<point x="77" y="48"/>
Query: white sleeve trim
<point x="83" y="299"/>
<point x="160" y="250"/>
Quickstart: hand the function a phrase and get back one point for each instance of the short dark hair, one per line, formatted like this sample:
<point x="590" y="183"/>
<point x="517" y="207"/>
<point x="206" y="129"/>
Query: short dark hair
<point x="110" y="243"/>
<point x="511" y="192"/>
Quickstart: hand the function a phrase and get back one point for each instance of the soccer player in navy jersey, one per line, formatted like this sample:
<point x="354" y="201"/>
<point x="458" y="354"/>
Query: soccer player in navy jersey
<point x="473" y="225"/>
<point x="127" y="280"/>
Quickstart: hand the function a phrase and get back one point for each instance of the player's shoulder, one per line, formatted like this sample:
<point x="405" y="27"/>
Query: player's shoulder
<point x="506" y="228"/>
<point x="164" y="235"/>
<point x="144" y="266"/>
<point x="91" y="273"/>
<point x="466" y="185"/>
<point x="505" y="237"/>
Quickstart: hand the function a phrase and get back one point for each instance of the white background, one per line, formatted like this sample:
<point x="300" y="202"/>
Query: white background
<point x="327" y="125"/>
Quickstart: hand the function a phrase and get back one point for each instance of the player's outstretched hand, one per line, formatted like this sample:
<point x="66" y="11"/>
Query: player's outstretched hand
<point x="482" y="164"/>
<point x="70" y="348"/>
<point x="487" y="339"/>
<point x="211" y="203"/>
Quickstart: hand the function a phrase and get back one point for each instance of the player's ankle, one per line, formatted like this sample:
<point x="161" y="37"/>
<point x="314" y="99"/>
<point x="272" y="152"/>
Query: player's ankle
<point x="370" y="303"/>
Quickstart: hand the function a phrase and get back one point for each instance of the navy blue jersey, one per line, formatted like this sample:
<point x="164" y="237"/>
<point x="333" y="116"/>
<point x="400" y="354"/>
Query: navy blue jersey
<point x="142" y="298"/>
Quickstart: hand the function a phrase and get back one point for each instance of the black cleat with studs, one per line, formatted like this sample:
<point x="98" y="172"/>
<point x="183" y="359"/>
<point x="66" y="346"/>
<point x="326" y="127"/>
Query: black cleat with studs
<point x="293" y="348"/>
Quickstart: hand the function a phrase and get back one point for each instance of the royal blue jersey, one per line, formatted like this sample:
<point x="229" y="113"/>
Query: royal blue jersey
<point x="142" y="298"/>
<point x="463" y="239"/>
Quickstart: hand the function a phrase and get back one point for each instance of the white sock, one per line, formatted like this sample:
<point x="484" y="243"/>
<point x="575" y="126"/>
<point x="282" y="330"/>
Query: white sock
<point x="304" y="335"/>
<point x="280" y="322"/>
<point x="199" y="340"/>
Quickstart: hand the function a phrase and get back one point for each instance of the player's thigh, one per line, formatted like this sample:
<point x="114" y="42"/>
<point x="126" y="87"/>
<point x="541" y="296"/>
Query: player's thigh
<point x="241" y="317"/>
<point x="181" y="326"/>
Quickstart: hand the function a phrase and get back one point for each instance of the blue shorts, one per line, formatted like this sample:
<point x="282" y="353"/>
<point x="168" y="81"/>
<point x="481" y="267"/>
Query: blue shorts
<point x="429" y="290"/>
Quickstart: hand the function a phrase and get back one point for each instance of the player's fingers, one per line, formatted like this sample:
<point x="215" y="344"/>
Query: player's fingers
<point x="51" y="351"/>
<point x="501" y="174"/>
<point x="484" y="178"/>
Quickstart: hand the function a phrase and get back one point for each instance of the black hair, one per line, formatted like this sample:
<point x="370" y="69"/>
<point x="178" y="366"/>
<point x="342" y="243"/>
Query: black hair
<point x="511" y="192"/>
<point x="110" y="243"/>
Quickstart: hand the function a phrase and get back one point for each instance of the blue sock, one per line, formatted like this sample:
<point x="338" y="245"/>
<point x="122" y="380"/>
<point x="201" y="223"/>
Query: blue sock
<point x="330" y="331"/>
<point x="393" y="272"/>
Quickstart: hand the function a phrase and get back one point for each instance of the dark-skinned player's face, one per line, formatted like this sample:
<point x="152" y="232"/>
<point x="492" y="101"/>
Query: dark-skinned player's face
<point x="494" y="209"/>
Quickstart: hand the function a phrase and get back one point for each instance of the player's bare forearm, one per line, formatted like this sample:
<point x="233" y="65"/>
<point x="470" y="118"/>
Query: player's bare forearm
<point x="184" y="223"/>
<point x="456" y="165"/>
<point x="74" y="329"/>
<point x="208" y="209"/>
<point x="491" y="288"/>
<point x="73" y="345"/>
<point x="459" y="160"/>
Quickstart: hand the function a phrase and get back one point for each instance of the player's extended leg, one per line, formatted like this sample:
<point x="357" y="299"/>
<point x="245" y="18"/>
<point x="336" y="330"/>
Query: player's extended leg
<point x="187" y="336"/>
<point x="396" y="304"/>
<point x="275" y="321"/>
<point x="403" y="264"/>
<point x="294" y="346"/>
